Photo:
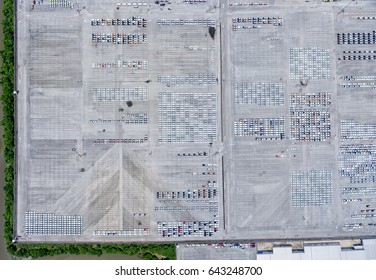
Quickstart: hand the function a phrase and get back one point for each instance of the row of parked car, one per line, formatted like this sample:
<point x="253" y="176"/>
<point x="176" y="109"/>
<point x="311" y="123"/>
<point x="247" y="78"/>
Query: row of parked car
<point x="133" y="21"/>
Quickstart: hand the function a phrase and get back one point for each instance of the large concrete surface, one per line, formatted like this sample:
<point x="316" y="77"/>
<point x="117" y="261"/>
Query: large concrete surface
<point x="120" y="141"/>
<point x="219" y="251"/>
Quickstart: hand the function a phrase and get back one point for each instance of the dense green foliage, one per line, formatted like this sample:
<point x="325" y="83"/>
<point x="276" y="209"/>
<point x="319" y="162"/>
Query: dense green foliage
<point x="7" y="98"/>
<point x="149" y="251"/>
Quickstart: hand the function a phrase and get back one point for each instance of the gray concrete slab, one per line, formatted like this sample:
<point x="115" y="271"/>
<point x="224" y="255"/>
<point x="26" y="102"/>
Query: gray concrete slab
<point x="216" y="251"/>
<point x="127" y="116"/>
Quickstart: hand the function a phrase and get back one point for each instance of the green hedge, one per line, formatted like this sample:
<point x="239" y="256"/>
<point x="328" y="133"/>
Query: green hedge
<point x="146" y="251"/>
<point x="7" y="98"/>
<point x="35" y="250"/>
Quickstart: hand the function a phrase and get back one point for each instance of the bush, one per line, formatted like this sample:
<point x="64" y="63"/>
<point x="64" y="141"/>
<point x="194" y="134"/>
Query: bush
<point x="7" y="99"/>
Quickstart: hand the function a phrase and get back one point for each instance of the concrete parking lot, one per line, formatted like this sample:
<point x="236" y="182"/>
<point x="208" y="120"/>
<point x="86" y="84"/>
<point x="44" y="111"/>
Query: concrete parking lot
<point x="143" y="122"/>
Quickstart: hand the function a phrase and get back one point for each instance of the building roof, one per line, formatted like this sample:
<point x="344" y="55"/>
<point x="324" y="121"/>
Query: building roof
<point x="323" y="251"/>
